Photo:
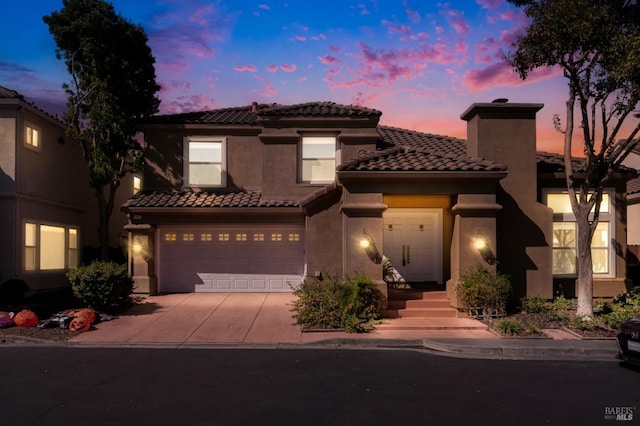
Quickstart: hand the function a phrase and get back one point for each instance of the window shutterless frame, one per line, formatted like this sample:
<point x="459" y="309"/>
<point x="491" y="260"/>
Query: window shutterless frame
<point x="318" y="156"/>
<point x="565" y="234"/>
<point x="204" y="161"/>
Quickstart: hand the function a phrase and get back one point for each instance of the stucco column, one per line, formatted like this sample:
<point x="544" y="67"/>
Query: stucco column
<point x="474" y="238"/>
<point x="362" y="220"/>
<point x="141" y="258"/>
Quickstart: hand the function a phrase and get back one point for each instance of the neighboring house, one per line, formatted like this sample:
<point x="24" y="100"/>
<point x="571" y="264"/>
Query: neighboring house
<point x="257" y="198"/>
<point x="633" y="218"/>
<point x="47" y="209"/>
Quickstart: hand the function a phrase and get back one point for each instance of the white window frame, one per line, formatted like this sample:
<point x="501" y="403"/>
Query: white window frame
<point x="223" y="160"/>
<point x="302" y="159"/>
<point x="29" y="130"/>
<point x="71" y="251"/>
<point x="608" y="217"/>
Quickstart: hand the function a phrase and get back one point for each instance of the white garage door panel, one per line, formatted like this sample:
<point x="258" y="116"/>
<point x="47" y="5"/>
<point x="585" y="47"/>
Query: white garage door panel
<point x="247" y="283"/>
<point x="233" y="258"/>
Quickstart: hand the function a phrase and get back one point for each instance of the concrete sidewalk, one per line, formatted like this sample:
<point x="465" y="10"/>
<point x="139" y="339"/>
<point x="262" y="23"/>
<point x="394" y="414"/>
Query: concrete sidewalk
<point x="265" y="320"/>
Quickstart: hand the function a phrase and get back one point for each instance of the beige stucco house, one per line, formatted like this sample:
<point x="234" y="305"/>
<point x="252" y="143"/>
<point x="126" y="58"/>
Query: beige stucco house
<point x="633" y="218"/>
<point x="47" y="209"/>
<point x="257" y="198"/>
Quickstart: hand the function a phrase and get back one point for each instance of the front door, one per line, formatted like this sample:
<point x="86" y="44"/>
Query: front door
<point x="413" y="243"/>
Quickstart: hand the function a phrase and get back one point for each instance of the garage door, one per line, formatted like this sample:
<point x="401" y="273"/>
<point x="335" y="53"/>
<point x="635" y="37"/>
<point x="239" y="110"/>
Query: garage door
<point x="238" y="258"/>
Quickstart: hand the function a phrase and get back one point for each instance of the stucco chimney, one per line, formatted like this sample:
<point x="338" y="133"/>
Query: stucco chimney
<point x="254" y="106"/>
<point x="506" y="133"/>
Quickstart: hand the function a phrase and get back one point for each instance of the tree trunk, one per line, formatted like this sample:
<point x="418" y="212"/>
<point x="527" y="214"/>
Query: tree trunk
<point x="585" y="264"/>
<point x="103" y="223"/>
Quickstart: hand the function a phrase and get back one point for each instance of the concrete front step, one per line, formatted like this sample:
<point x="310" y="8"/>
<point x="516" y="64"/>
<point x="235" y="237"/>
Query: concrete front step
<point x="394" y="294"/>
<point x="419" y="304"/>
<point x="421" y="313"/>
<point x="431" y="324"/>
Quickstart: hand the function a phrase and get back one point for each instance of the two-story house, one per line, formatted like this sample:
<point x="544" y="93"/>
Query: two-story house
<point x="257" y="198"/>
<point x="47" y="209"/>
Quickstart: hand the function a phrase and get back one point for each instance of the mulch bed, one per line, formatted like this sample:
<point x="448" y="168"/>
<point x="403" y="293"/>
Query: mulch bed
<point x="532" y="324"/>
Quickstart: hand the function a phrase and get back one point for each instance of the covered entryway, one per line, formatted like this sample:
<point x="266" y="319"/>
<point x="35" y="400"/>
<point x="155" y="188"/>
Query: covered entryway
<point x="413" y="242"/>
<point x="230" y="257"/>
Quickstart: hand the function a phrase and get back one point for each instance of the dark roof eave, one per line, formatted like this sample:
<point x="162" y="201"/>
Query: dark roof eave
<point x="216" y="210"/>
<point x="252" y="128"/>
<point x="420" y="175"/>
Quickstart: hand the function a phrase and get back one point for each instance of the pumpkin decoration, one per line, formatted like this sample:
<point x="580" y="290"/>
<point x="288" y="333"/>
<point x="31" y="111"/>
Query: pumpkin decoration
<point x="80" y="324"/>
<point x="89" y="314"/>
<point x="25" y="318"/>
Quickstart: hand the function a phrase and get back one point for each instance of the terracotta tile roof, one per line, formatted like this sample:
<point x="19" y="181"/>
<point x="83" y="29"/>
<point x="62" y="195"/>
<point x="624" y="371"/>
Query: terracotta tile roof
<point x="549" y="162"/>
<point x="9" y="94"/>
<point x="401" y="159"/>
<point x="250" y="114"/>
<point x="393" y="136"/>
<point x="633" y="186"/>
<point x="195" y="198"/>
<point x="318" y="109"/>
<point x="238" y="115"/>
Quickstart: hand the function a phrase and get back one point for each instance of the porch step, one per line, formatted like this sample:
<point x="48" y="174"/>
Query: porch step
<point x="422" y="313"/>
<point x="410" y="303"/>
<point x="431" y="324"/>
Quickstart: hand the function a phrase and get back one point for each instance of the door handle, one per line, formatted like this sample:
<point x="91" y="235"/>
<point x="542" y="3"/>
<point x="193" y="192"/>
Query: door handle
<point x="408" y="254"/>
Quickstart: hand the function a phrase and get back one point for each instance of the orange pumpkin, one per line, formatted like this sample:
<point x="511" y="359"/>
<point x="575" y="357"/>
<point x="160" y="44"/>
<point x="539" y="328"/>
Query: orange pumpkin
<point x="80" y="324"/>
<point x="87" y="313"/>
<point x="26" y="318"/>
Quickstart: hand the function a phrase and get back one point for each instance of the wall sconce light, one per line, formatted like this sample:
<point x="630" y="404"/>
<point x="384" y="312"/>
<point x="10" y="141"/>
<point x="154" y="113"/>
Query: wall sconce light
<point x="481" y="244"/>
<point x="368" y="244"/>
<point x="140" y="247"/>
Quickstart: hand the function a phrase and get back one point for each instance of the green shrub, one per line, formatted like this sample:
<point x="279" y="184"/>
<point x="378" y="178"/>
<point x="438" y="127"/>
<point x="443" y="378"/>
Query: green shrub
<point x="619" y="314"/>
<point x="534" y="305"/>
<point x="560" y="304"/>
<point x="349" y="303"/>
<point x="483" y="292"/>
<point x="103" y="286"/>
<point x="508" y="327"/>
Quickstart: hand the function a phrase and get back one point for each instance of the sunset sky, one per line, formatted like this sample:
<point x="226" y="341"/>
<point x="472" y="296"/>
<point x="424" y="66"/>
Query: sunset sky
<point x="422" y="63"/>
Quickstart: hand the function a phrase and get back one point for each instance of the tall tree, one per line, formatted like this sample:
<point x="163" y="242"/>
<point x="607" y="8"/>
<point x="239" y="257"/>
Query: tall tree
<point x="596" y="43"/>
<point x="112" y="86"/>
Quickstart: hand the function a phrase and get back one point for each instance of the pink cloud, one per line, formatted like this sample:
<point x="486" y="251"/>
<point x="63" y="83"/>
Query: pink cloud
<point x="396" y="28"/>
<point x="319" y="37"/>
<point x="301" y="80"/>
<point x="267" y="89"/>
<point x="413" y="15"/>
<point x="272" y="68"/>
<point x="501" y="74"/>
<point x="243" y="68"/>
<point x="300" y="38"/>
<point x="189" y="103"/>
<point x="489" y="4"/>
<point x="328" y="60"/>
<point x="458" y="22"/>
<point x="334" y="49"/>
<point x="288" y="68"/>
<point x="364" y="98"/>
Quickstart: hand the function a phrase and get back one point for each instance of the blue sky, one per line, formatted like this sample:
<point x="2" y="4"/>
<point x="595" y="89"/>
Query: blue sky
<point x="422" y="63"/>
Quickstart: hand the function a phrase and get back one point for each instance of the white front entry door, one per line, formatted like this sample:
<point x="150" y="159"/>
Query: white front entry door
<point x="413" y="242"/>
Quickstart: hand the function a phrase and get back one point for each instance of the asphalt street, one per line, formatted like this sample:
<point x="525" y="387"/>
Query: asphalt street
<point x="122" y="386"/>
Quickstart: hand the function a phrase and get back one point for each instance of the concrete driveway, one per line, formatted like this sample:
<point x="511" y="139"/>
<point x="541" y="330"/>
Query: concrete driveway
<point x="250" y="318"/>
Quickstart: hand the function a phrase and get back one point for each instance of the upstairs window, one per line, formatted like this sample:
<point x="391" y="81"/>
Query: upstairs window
<point x="32" y="137"/>
<point x="317" y="159"/>
<point x="204" y="161"/>
<point x="137" y="184"/>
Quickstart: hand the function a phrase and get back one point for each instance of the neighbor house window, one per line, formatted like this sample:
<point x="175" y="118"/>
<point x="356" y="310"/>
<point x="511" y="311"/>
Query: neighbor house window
<point x="49" y="248"/>
<point x="565" y="236"/>
<point x="137" y="184"/>
<point x="32" y="137"/>
<point x="318" y="159"/>
<point x="204" y="161"/>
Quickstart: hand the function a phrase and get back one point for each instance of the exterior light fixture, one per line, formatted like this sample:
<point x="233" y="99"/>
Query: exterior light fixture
<point x="368" y="244"/>
<point x="481" y="244"/>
